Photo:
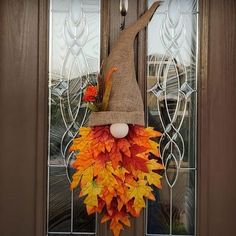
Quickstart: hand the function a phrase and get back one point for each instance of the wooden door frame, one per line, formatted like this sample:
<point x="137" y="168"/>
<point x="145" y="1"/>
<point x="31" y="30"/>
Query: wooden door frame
<point x="202" y="137"/>
<point x="42" y="119"/>
<point x="42" y="111"/>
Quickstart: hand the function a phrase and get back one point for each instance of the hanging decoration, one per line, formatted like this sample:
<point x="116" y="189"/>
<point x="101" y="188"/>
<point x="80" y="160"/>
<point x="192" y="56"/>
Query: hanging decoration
<point x="117" y="162"/>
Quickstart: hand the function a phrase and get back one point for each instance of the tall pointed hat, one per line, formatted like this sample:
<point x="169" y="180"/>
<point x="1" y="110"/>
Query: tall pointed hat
<point x="125" y="103"/>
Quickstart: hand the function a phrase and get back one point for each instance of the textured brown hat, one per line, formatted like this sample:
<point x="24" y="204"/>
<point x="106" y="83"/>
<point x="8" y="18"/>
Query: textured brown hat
<point x="125" y="103"/>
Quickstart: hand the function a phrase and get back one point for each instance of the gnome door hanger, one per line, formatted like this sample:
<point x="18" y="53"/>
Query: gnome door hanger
<point x="117" y="163"/>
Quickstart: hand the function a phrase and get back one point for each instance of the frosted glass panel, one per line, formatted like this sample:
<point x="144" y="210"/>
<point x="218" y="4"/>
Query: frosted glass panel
<point x="74" y="58"/>
<point x="172" y="106"/>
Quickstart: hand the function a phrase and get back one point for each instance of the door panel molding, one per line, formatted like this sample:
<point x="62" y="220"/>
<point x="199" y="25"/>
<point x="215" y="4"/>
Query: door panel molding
<point x="202" y="167"/>
<point x="42" y="119"/>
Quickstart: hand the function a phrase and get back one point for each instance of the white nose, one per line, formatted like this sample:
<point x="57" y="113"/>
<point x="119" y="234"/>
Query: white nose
<point x="119" y="130"/>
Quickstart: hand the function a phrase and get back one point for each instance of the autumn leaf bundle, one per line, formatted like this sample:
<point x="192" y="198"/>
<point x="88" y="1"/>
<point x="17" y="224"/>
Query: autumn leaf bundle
<point x="116" y="175"/>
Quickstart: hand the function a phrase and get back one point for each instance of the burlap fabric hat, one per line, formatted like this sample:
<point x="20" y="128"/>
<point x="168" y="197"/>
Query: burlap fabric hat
<point x="125" y="103"/>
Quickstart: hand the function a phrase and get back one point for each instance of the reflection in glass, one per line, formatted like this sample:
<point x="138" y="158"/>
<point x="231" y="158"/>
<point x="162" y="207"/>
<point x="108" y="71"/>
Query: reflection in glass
<point x="172" y="86"/>
<point x="74" y="57"/>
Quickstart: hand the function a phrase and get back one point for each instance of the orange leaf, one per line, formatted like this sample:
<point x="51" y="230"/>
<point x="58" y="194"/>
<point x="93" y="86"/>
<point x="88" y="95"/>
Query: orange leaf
<point x="115" y="157"/>
<point x="134" y="162"/>
<point x="116" y="227"/>
<point x="105" y="218"/>
<point x="124" y="146"/>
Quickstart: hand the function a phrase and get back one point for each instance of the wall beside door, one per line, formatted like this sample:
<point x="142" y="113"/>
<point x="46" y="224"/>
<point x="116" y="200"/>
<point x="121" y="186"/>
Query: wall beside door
<point x="217" y="127"/>
<point x="23" y="103"/>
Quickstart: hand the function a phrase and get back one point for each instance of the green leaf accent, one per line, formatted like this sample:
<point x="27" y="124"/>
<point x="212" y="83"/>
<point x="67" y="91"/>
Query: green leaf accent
<point x="93" y="107"/>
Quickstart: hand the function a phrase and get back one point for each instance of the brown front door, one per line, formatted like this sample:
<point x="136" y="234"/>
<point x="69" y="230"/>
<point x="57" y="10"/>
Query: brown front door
<point x="206" y="204"/>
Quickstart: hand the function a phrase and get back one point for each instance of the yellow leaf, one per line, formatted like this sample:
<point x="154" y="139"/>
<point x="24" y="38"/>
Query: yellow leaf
<point x="154" y="165"/>
<point x="153" y="147"/>
<point x="120" y="173"/>
<point x="154" y="178"/>
<point x="76" y="179"/>
<point x="87" y="176"/>
<point x="106" y="178"/>
<point x="92" y="190"/>
<point x="84" y="131"/>
<point x="138" y="192"/>
<point x="152" y="133"/>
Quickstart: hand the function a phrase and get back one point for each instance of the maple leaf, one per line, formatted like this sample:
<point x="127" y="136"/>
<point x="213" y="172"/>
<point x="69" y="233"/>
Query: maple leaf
<point x="115" y="157"/>
<point x="102" y="140"/>
<point x="93" y="209"/>
<point x="109" y="143"/>
<point x="152" y="133"/>
<point x="105" y="218"/>
<point x="138" y="130"/>
<point x="153" y="177"/>
<point x="83" y="160"/>
<point x="81" y="143"/>
<point x="120" y="172"/>
<point x="76" y="179"/>
<point x="87" y="176"/>
<point x="120" y="203"/>
<point x="138" y="192"/>
<point x="106" y="178"/>
<point x="107" y="196"/>
<point x="154" y="148"/>
<point x="117" y="218"/>
<point x="122" y="217"/>
<point x="115" y="226"/>
<point x="98" y="147"/>
<point x="135" y="162"/>
<point x="124" y="146"/>
<point x="132" y="164"/>
<point x="130" y="208"/>
<point x="154" y="165"/>
<point x="100" y="162"/>
<point x="84" y="131"/>
<point x="92" y="190"/>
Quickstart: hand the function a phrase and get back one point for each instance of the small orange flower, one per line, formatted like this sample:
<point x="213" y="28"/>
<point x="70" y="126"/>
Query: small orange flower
<point x="90" y="94"/>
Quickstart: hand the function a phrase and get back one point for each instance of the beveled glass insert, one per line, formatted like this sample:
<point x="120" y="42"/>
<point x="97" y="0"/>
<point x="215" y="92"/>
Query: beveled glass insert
<point x="172" y="109"/>
<point x="74" y="61"/>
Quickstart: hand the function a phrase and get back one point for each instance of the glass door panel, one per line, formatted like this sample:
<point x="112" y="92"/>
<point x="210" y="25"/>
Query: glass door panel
<point x="172" y="109"/>
<point x="74" y="46"/>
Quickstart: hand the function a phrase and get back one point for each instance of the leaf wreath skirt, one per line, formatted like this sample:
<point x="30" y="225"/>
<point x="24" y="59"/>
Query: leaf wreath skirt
<point x="116" y="175"/>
